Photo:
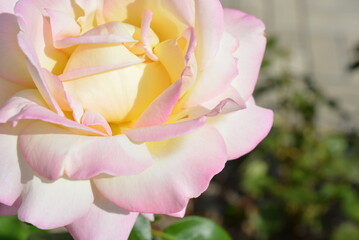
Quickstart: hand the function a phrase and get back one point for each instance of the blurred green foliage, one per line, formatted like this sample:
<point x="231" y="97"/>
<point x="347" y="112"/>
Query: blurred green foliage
<point x="302" y="181"/>
<point x="12" y="229"/>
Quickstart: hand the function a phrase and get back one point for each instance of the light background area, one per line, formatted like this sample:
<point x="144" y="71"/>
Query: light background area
<point x="320" y="36"/>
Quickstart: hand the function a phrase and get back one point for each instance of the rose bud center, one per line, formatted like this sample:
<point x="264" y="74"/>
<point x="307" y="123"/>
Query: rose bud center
<point x="118" y="80"/>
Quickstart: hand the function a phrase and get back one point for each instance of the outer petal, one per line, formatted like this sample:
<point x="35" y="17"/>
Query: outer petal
<point x="52" y="151"/>
<point x="10" y="172"/>
<point x="37" y="73"/>
<point x="39" y="47"/>
<point x="104" y="221"/>
<point x="7" y="6"/>
<point x="209" y="29"/>
<point x="179" y="214"/>
<point x="54" y="204"/>
<point x="218" y="75"/>
<point x="250" y="33"/>
<point x="228" y="101"/>
<point x="12" y="60"/>
<point x="194" y="158"/>
<point x="243" y="130"/>
<point x="230" y="94"/>
<point x="28" y="104"/>
<point x="65" y="6"/>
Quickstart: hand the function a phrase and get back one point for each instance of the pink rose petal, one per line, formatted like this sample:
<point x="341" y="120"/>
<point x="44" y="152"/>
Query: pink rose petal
<point x="111" y="32"/>
<point x="145" y="29"/>
<point x="209" y="28"/>
<point x="12" y="63"/>
<point x="28" y="104"/>
<point x="104" y="221"/>
<point x="37" y="73"/>
<point x="7" y="6"/>
<point x="93" y="119"/>
<point x="52" y="152"/>
<point x="218" y="75"/>
<point x="175" y="176"/>
<point x="250" y="33"/>
<point x="244" y="129"/>
<point x="10" y="172"/>
<point x="35" y="25"/>
<point x="54" y="204"/>
<point x="179" y="214"/>
<point x="62" y="25"/>
<point x="165" y="131"/>
<point x="161" y="108"/>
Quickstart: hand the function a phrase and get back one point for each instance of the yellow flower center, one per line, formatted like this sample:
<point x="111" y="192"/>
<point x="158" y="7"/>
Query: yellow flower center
<point x="118" y="80"/>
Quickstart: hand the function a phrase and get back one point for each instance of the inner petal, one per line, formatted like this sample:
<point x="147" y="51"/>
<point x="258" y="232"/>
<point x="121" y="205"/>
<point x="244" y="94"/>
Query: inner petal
<point x="116" y="94"/>
<point x="171" y="54"/>
<point x="100" y="54"/>
<point x="165" y="23"/>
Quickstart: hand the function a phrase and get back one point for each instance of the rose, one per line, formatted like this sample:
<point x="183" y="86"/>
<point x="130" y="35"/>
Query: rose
<point x="117" y="107"/>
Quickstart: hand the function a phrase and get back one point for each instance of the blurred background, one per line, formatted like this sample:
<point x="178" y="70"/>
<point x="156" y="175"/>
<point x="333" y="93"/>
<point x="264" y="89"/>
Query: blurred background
<point x="302" y="182"/>
<point x="320" y="38"/>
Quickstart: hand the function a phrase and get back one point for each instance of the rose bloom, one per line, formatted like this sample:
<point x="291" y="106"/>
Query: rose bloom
<point x="114" y="108"/>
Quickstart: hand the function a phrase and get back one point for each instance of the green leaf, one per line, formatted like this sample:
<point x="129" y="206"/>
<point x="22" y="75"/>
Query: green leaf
<point x="195" y="228"/>
<point x="50" y="236"/>
<point x="13" y="229"/>
<point x="141" y="230"/>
